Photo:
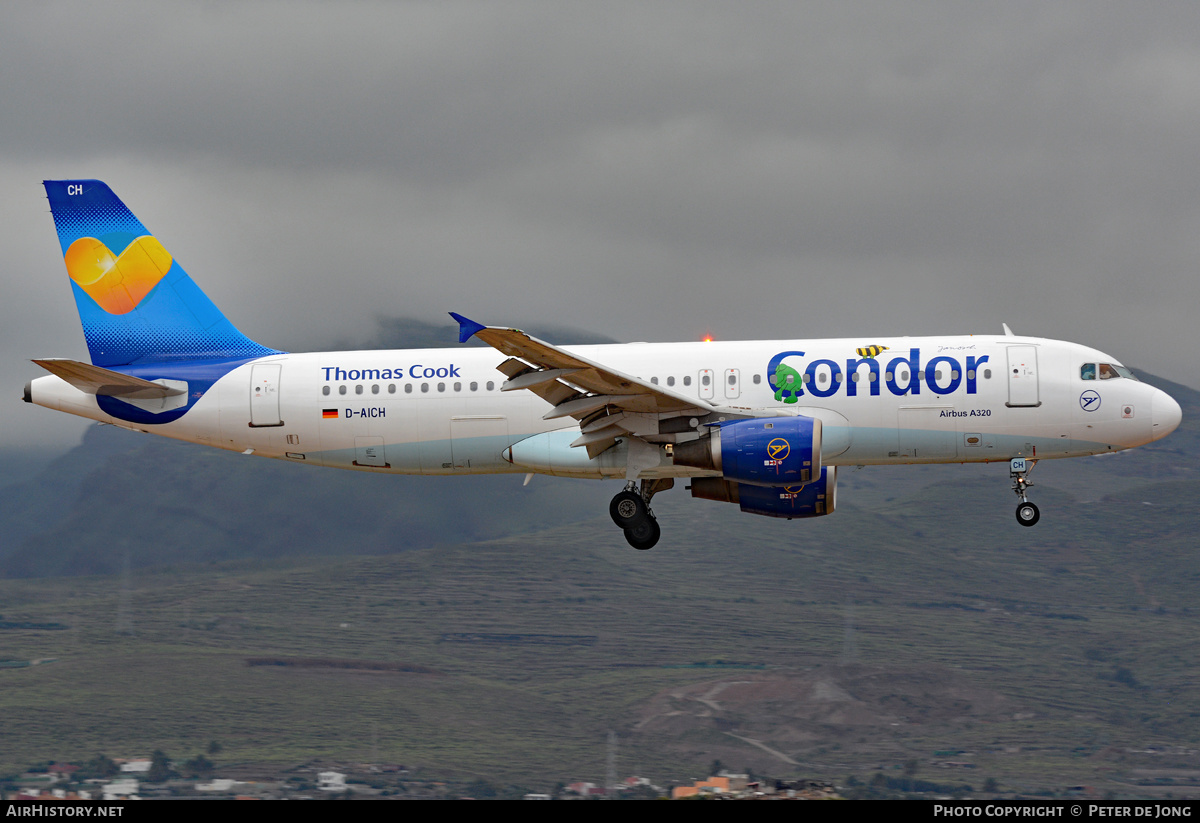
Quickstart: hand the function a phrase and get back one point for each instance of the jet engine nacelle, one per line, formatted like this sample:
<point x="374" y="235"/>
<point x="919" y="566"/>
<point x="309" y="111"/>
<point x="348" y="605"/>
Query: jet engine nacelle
<point x="809" y="500"/>
<point x="776" y="451"/>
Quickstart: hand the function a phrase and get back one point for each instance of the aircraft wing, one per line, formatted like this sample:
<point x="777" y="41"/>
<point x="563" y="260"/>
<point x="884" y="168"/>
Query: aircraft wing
<point x="607" y="403"/>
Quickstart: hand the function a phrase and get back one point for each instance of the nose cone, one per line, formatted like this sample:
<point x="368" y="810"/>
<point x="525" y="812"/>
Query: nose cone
<point x="1165" y="415"/>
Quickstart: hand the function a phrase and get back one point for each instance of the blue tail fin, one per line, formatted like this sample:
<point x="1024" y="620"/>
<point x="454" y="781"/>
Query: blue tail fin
<point x="136" y="303"/>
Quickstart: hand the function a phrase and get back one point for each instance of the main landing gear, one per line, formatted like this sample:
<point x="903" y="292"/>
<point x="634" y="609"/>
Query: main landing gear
<point x="631" y="511"/>
<point x="1019" y="470"/>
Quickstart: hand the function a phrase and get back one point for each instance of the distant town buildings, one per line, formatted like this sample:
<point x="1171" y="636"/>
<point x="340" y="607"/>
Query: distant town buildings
<point x="331" y="781"/>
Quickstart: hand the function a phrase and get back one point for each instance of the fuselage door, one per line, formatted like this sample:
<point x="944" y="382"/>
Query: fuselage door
<point x="733" y="384"/>
<point x="369" y="451"/>
<point x="1023" y="376"/>
<point x="705" y="379"/>
<point x="478" y="440"/>
<point x="264" y="395"/>
<point x="924" y="433"/>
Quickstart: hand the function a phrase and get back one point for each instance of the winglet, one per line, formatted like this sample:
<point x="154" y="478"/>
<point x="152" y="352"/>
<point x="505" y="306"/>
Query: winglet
<point x="466" y="328"/>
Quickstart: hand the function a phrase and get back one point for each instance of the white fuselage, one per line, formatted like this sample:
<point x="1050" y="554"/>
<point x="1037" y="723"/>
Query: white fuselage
<point x="440" y="411"/>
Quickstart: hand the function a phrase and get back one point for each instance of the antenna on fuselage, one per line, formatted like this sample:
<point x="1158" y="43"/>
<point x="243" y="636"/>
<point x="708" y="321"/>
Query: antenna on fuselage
<point x="1007" y="330"/>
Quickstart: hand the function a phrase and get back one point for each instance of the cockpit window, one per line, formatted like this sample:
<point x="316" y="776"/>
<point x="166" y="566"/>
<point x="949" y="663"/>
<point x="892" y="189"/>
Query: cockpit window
<point x="1104" y="371"/>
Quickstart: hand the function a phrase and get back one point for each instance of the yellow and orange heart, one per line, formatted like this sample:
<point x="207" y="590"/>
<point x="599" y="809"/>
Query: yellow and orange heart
<point x="117" y="282"/>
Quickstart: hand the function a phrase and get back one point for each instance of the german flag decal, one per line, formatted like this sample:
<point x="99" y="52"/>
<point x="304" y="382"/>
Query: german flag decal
<point x="329" y="414"/>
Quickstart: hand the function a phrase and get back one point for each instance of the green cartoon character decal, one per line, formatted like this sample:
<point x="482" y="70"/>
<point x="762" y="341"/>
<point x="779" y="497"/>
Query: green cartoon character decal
<point x="787" y="383"/>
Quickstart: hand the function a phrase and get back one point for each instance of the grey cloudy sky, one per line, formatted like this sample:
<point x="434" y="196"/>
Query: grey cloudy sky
<point x="653" y="170"/>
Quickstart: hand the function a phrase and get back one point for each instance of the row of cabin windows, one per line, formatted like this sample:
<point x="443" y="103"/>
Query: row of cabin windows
<point x="705" y="380"/>
<point x="408" y="388"/>
<point x="823" y="377"/>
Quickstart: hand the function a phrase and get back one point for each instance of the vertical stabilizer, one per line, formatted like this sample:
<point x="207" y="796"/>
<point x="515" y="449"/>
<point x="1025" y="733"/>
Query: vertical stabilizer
<point x="136" y="303"/>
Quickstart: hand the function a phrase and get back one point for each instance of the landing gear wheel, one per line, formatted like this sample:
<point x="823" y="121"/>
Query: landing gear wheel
<point x="1028" y="514"/>
<point x="643" y="535"/>
<point x="628" y="510"/>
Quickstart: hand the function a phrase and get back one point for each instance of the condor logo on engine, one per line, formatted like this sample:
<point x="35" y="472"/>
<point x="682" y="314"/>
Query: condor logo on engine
<point x="777" y="451"/>
<point x="780" y="452"/>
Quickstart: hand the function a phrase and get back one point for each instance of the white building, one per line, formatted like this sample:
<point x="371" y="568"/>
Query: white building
<point x="331" y="781"/>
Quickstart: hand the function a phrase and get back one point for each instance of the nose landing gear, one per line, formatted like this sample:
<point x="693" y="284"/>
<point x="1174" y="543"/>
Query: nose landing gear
<point x="630" y="510"/>
<point x="1019" y="470"/>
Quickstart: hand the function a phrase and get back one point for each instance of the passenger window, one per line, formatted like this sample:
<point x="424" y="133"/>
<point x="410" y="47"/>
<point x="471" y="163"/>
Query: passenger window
<point x="490" y="385"/>
<point x="987" y="374"/>
<point x="458" y="386"/>
<point x="757" y="379"/>
<point x="325" y="390"/>
<point x="654" y="380"/>
<point x="441" y="386"/>
<point x="408" y="388"/>
<point x="687" y="381"/>
<point x="474" y="386"/>
<point x="375" y="388"/>
<point x="341" y="389"/>
<point x="705" y="380"/>
<point x="424" y="388"/>
<point x="391" y="388"/>
<point x="670" y="381"/>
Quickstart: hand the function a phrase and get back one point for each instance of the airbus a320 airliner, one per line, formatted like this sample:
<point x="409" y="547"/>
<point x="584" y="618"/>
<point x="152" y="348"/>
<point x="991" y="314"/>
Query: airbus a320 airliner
<point x="762" y="424"/>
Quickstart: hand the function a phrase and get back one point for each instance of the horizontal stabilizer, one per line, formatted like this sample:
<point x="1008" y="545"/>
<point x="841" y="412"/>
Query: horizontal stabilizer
<point x="105" y="383"/>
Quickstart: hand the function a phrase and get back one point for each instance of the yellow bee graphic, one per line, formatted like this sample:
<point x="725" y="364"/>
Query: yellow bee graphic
<point x="869" y="352"/>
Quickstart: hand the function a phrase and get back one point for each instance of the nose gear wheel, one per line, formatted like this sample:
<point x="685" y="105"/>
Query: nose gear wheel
<point x="1028" y="514"/>
<point x="1019" y="471"/>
